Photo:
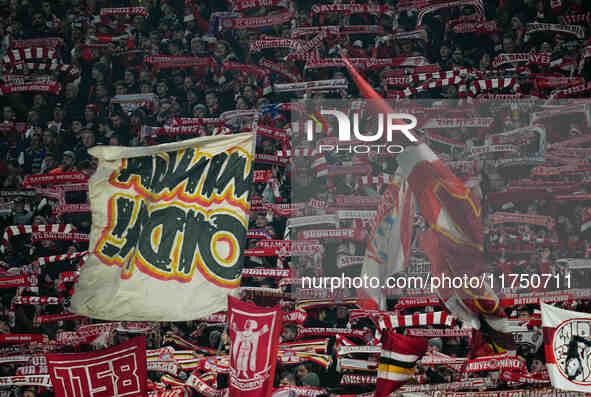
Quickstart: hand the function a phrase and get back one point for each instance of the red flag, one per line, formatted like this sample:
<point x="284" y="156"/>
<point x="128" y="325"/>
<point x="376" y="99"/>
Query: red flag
<point x="115" y="372"/>
<point x="254" y="335"/>
<point x="449" y="207"/>
<point x="398" y="360"/>
<point x="454" y="244"/>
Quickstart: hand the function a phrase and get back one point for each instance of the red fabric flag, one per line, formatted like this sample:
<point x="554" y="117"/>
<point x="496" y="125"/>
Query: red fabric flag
<point x="398" y="360"/>
<point x="254" y="335"/>
<point x="454" y="244"/>
<point x="115" y="372"/>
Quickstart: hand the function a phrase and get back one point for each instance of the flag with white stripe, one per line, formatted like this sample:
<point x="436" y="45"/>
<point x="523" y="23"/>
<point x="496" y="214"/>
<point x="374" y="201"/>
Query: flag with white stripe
<point x="398" y="360"/>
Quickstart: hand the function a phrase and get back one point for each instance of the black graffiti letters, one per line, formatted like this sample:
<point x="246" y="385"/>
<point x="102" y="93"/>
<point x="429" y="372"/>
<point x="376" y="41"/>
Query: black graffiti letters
<point x="164" y="172"/>
<point x="172" y="241"/>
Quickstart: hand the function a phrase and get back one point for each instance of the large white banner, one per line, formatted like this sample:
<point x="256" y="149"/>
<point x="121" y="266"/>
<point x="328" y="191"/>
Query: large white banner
<point x="169" y="226"/>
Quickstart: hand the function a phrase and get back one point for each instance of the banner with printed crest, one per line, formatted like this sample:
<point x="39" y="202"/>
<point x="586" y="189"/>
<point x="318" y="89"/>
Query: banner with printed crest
<point x="169" y="225"/>
<point x="567" y="342"/>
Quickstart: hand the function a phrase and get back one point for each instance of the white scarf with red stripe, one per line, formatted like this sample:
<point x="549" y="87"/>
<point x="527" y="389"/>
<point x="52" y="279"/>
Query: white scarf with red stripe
<point x="16" y="230"/>
<point x="23" y="54"/>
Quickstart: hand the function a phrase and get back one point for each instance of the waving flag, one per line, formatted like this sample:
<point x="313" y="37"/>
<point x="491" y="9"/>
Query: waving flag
<point x="398" y="361"/>
<point x="254" y="334"/>
<point x="567" y="342"/>
<point x="454" y="244"/>
<point x="169" y="225"/>
<point x="389" y="244"/>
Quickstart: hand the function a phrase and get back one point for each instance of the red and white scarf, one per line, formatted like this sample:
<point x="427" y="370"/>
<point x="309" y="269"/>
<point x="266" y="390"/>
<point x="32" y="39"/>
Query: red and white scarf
<point x="308" y="45"/>
<point x="556" y="81"/>
<point x="281" y="70"/>
<point x="572" y="91"/>
<point x="530" y="58"/>
<point x="72" y="209"/>
<point x="575" y="19"/>
<point x="242" y="5"/>
<point x="53" y="318"/>
<point x="357" y="379"/>
<point x="255" y="22"/>
<point x="17" y="55"/>
<point x="271" y="42"/>
<point x="124" y="11"/>
<point x="439" y="332"/>
<point x="17" y="281"/>
<point x="169" y="61"/>
<point x="530" y="219"/>
<point x="430" y="85"/>
<point x="39" y="42"/>
<point x="477" y="4"/>
<point x="49" y="179"/>
<point x="476" y="27"/>
<point x="11" y="231"/>
<point x="58" y="258"/>
<point x="70" y="71"/>
<point x="26" y="380"/>
<point x="464" y="18"/>
<point x="473" y="122"/>
<point x="317" y="85"/>
<point x="57" y="236"/>
<point x="577" y="30"/>
<point x="386" y="320"/>
<point x="349" y="9"/>
<point x="494" y="363"/>
<point x="52" y="87"/>
<point x="22" y="338"/>
<point x="367" y="63"/>
<point x="491" y="84"/>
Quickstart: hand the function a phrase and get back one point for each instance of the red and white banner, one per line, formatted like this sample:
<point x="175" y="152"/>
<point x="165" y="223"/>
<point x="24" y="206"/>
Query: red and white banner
<point x="254" y="334"/>
<point x="117" y="371"/>
<point x="567" y="343"/>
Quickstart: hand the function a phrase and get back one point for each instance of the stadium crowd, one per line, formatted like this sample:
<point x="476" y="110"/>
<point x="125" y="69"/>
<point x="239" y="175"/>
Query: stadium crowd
<point x="499" y="88"/>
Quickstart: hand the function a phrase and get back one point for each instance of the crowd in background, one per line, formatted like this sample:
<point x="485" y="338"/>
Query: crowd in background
<point x="139" y="78"/>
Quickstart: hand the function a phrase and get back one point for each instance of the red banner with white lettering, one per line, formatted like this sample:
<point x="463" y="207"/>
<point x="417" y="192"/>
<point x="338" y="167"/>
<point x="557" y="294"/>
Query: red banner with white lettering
<point x="115" y="372"/>
<point x="254" y="333"/>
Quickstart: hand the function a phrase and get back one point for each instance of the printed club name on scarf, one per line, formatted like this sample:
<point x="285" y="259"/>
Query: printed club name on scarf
<point x="494" y="363"/>
<point x="256" y="22"/>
